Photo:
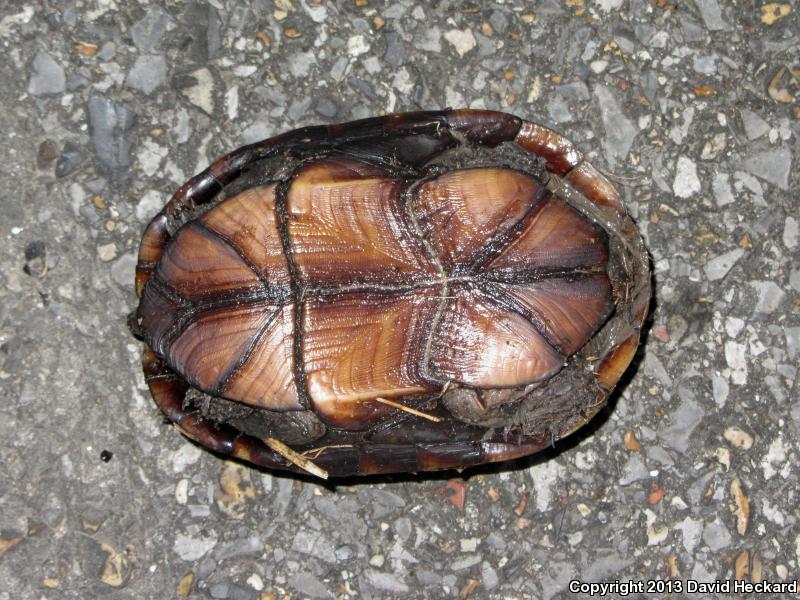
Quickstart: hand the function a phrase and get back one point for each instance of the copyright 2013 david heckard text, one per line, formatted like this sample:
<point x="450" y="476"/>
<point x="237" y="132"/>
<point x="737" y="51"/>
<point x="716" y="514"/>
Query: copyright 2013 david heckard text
<point x="680" y="586"/>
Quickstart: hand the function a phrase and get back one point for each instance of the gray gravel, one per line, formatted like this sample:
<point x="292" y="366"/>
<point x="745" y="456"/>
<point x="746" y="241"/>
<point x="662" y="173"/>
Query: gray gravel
<point x="692" y="472"/>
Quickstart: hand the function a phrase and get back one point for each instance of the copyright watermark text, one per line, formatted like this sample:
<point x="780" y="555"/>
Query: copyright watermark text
<point x="678" y="586"/>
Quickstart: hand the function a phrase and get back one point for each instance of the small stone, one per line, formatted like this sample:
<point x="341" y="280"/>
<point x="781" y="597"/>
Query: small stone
<point x="186" y="455"/>
<point x="150" y="157"/>
<point x="608" y="5"/>
<point x="326" y="107"/>
<point x="723" y="456"/>
<point x="712" y="15"/>
<point x="150" y="203"/>
<point x="770" y="296"/>
<point x="108" y="124"/>
<point x="692" y="530"/>
<point x="35" y="259"/>
<point x="630" y="441"/>
<point x="182" y="491"/>
<point x="48" y="76"/>
<point x="185" y="585"/>
<point x="721" y="186"/>
<point x="720" y="389"/>
<point x="124" y="269"/>
<point x="469" y="544"/>
<point x="792" y="341"/>
<point x="794" y="279"/>
<point x="149" y="32"/>
<point x="191" y="548"/>
<point x="738" y="438"/>
<point x="714" y="147"/>
<point x="679" y="131"/>
<point x="107" y="252"/>
<point x="232" y="102"/>
<point x="791" y="233"/>
<point x="718" y="267"/>
<point x="655" y="533"/>
<point x="314" y="544"/>
<point x="489" y="577"/>
<point x="742" y="506"/>
<point x="686" y="182"/>
<point x="585" y="461"/>
<point x="301" y="63"/>
<point x="357" y="45"/>
<point x="344" y="553"/>
<point x="771" y="165"/>
<point x="705" y="64"/>
<point x="545" y="476"/>
<point x="716" y="535"/>
<point x="308" y="584"/>
<point x="633" y="470"/>
<point x="736" y="357"/>
<point x="466" y="562"/>
<point x="775" y="458"/>
<point x="377" y="560"/>
<point x="462" y="40"/>
<point x="395" y="50"/>
<point x="754" y="125"/>
<point x="733" y="326"/>
<point x="69" y="159"/>
<point x="774" y="11"/>
<point x="235" y="489"/>
<point x="685" y="420"/>
<point x="115" y="569"/>
<point x="198" y="88"/>
<point x="48" y="151"/>
<point x="148" y="73"/>
<point x="255" y="582"/>
<point x="620" y="131"/>
<point x="387" y="582"/>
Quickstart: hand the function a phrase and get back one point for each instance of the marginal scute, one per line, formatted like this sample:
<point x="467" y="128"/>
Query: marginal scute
<point x="589" y="182"/>
<point x="558" y="152"/>
<point x="346" y="223"/>
<point x="483" y="344"/>
<point x="153" y="241"/>
<point x="614" y="364"/>
<point x="364" y="345"/>
<point x="462" y="211"/>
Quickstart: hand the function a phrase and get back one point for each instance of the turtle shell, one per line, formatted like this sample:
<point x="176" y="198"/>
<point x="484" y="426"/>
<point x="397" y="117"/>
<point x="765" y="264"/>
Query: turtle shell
<point x="413" y="292"/>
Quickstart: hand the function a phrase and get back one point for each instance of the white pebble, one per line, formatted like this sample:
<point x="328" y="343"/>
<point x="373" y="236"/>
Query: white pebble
<point x="791" y="233"/>
<point x="686" y="182"/>
<point x="107" y="252"/>
<point x="462" y="40"/>
<point x="357" y="45"/>
<point x="182" y="491"/>
<point x="255" y="582"/>
<point x="736" y="357"/>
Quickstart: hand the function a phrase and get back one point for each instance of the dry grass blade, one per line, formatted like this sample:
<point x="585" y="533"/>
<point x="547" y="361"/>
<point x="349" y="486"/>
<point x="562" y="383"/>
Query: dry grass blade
<point x="409" y="410"/>
<point x="295" y="458"/>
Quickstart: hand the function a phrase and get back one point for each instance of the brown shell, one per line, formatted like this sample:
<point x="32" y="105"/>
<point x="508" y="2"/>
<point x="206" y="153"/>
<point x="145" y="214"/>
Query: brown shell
<point x="413" y="292"/>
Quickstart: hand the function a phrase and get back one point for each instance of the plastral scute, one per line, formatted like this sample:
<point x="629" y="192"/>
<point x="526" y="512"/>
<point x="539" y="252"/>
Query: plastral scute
<point x="412" y="292"/>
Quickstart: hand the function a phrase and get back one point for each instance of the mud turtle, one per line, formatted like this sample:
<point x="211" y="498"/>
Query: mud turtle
<point x="412" y="292"/>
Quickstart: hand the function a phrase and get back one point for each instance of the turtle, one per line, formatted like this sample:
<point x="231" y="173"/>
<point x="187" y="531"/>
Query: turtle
<point x="411" y="292"/>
